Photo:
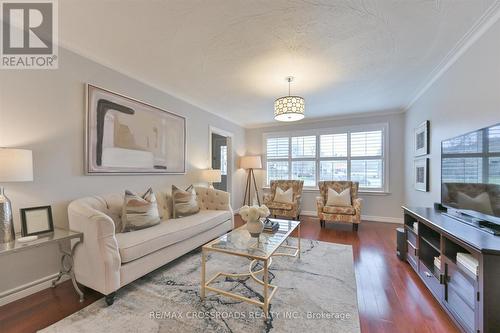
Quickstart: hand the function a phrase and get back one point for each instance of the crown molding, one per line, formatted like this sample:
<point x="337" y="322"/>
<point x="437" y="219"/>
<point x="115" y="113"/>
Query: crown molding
<point x="323" y="119"/>
<point x="480" y="27"/>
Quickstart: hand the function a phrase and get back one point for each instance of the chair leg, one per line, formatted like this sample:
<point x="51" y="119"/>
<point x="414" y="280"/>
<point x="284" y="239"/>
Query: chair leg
<point x="355" y="227"/>
<point x="321" y="223"/>
<point x="298" y="217"/>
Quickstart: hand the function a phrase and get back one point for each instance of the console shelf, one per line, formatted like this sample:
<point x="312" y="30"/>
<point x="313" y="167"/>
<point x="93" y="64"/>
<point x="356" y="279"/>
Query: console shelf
<point x="471" y="300"/>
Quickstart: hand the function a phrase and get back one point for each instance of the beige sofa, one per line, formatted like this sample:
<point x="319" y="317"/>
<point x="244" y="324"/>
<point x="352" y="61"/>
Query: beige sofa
<point x="107" y="260"/>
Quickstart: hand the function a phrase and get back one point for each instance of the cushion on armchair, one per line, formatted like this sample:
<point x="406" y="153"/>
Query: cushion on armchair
<point x="345" y="210"/>
<point x="342" y="199"/>
<point x="283" y="196"/>
<point x="279" y="205"/>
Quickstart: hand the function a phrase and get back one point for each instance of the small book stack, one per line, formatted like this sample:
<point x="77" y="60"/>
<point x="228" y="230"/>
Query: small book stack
<point x="415" y="226"/>
<point x="437" y="262"/>
<point x="467" y="261"/>
<point x="271" y="226"/>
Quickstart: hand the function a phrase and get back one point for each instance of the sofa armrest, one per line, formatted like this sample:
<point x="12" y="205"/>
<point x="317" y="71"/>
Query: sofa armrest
<point x="97" y="260"/>
<point x="212" y="199"/>
<point x="319" y="205"/>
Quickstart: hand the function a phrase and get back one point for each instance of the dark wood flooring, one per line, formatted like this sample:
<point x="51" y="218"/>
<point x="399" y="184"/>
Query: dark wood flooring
<point x="391" y="298"/>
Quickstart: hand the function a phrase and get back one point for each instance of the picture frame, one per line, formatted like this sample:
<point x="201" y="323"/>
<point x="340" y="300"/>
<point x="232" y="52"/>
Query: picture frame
<point x="125" y="136"/>
<point x="421" y="174"/>
<point x="36" y="220"/>
<point x="421" y="139"/>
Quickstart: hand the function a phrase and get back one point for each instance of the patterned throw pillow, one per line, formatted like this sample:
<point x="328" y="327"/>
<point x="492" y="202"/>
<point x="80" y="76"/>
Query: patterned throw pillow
<point x="184" y="202"/>
<point x="342" y="199"/>
<point x="283" y="196"/>
<point x="139" y="212"/>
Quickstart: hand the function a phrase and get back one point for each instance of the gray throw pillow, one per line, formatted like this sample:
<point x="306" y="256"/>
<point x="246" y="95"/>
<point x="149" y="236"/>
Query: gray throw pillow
<point x="139" y="212"/>
<point x="184" y="201"/>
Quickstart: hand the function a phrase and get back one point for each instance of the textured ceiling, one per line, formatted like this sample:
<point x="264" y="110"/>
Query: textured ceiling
<point x="231" y="57"/>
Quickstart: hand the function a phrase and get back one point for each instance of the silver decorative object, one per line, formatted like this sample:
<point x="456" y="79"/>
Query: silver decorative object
<point x="6" y="222"/>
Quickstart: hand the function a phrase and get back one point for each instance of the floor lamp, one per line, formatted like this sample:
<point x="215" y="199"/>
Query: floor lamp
<point x="250" y="163"/>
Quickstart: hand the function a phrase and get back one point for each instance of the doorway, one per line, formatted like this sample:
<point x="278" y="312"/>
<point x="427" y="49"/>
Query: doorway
<point x="220" y="154"/>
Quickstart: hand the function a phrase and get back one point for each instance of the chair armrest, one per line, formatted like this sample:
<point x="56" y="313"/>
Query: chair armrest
<point x="267" y="197"/>
<point x="97" y="259"/>
<point x="357" y="203"/>
<point x="319" y="204"/>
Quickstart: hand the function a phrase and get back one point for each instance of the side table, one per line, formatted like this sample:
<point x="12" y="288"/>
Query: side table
<point x="59" y="236"/>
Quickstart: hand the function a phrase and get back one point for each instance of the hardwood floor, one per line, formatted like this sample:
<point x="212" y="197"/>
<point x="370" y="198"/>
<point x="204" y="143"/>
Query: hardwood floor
<point x="391" y="298"/>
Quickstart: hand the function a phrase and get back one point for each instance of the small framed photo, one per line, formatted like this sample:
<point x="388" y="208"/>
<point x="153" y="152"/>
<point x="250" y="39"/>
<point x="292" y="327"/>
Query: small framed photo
<point x="36" y="220"/>
<point x="422" y="174"/>
<point x="422" y="139"/>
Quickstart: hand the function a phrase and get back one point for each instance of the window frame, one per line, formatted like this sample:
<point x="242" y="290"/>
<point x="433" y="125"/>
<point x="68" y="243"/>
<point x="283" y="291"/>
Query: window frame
<point x="384" y="127"/>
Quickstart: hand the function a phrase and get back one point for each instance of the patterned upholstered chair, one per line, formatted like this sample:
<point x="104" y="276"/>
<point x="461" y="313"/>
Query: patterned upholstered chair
<point x="347" y="214"/>
<point x="291" y="210"/>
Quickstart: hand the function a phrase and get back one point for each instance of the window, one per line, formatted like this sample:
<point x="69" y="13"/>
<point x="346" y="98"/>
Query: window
<point x="223" y="160"/>
<point x="357" y="155"/>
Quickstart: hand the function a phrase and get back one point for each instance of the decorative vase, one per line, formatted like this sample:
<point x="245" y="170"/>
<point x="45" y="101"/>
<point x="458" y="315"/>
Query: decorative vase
<point x="255" y="227"/>
<point x="6" y="224"/>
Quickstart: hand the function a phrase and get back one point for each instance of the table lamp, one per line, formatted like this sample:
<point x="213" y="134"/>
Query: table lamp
<point x="16" y="165"/>
<point x="250" y="163"/>
<point x="211" y="176"/>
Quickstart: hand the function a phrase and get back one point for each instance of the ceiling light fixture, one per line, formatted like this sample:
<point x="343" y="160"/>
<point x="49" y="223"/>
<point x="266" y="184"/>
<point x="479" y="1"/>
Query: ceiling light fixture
<point x="289" y="108"/>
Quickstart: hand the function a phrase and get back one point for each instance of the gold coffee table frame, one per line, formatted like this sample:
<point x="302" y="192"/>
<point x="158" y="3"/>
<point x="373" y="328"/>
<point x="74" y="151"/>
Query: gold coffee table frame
<point x="269" y="289"/>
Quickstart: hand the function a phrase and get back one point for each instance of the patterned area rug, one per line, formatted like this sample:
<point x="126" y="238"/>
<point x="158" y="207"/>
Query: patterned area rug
<point x="317" y="293"/>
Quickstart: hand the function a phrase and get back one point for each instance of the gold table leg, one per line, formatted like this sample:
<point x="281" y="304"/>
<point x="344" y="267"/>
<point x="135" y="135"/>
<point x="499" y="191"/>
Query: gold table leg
<point x="266" y="286"/>
<point x="203" y="264"/>
<point x="298" y="234"/>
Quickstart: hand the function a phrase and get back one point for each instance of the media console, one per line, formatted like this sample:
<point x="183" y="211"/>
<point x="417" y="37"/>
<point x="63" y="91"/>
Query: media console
<point x="472" y="299"/>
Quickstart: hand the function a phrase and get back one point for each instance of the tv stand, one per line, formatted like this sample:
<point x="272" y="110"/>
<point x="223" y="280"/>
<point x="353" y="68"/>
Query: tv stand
<point x="471" y="299"/>
<point x="478" y="223"/>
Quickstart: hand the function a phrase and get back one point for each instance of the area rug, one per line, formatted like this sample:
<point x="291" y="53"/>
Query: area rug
<point x="316" y="293"/>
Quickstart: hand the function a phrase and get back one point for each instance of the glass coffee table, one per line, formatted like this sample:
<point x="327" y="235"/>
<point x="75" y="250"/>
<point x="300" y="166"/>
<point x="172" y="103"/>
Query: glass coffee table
<point x="239" y="243"/>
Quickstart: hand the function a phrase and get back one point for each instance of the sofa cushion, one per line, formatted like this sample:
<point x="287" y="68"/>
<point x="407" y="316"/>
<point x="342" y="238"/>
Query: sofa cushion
<point x="339" y="210"/>
<point x="139" y="212"/>
<point x="137" y="244"/>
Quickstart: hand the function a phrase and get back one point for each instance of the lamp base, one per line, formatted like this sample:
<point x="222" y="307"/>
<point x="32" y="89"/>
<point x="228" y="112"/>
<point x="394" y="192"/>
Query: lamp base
<point x="7" y="234"/>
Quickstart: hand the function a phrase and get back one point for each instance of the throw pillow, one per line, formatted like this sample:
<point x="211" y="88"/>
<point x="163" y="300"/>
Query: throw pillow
<point x="139" y="212"/>
<point x="184" y="201"/>
<point x="481" y="203"/>
<point x="341" y="199"/>
<point x="283" y="196"/>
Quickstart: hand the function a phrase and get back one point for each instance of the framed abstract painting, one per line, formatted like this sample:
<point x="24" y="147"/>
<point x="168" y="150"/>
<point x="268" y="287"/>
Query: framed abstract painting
<point x="127" y="136"/>
<point x="422" y="139"/>
<point x="421" y="174"/>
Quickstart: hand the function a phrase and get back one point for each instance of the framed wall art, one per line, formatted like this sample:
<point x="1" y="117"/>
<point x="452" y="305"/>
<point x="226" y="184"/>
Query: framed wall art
<point x="127" y="136"/>
<point x="36" y="220"/>
<point x="422" y="139"/>
<point x="421" y="174"/>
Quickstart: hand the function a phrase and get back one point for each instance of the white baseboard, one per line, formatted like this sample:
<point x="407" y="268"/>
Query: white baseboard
<point x="28" y="289"/>
<point x="363" y="217"/>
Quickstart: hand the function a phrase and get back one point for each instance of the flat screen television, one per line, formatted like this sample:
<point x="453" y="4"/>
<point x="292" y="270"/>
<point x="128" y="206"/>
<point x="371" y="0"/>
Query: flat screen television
<point x="470" y="174"/>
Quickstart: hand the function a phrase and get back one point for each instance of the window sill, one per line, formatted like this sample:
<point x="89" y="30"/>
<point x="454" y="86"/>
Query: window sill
<point x="361" y="192"/>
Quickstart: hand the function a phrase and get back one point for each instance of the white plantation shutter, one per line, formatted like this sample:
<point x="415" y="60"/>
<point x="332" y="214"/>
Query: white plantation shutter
<point x="304" y="146"/>
<point x="341" y="155"/>
<point x="333" y="145"/>
<point x="277" y="148"/>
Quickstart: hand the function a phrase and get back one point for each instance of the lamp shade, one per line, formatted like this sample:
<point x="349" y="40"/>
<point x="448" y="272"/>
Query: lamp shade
<point x="289" y="108"/>
<point x="250" y="162"/>
<point x="211" y="176"/>
<point x="16" y="165"/>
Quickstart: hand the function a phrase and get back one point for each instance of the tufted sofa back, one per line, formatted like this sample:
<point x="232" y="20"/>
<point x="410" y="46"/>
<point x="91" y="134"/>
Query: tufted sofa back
<point x="112" y="204"/>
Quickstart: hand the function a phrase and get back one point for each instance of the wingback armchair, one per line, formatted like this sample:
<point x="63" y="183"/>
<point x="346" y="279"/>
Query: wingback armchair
<point x="347" y="214"/>
<point x="291" y="210"/>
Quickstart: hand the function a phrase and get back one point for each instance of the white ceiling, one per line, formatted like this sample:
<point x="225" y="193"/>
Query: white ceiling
<point x="231" y="57"/>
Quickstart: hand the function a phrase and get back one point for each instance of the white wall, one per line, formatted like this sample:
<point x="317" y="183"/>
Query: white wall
<point x="385" y="207"/>
<point x="465" y="98"/>
<point x="44" y="111"/>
